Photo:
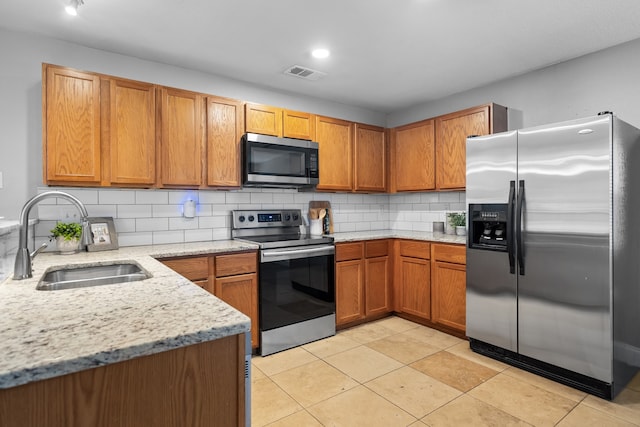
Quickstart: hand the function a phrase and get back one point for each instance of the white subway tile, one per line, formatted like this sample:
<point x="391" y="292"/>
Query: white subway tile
<point x="303" y="198"/>
<point x="355" y="199"/>
<point x="212" y="197"/>
<point x="213" y="222"/>
<point x="116" y="197"/>
<point x="344" y="227"/>
<point x="429" y="197"/>
<point x="363" y="226"/>
<point x="260" y="198"/>
<point x="152" y="197"/>
<point x="103" y="210"/>
<point x="449" y="196"/>
<point x="203" y="210"/>
<point x="124" y="225"/>
<point x="152" y="224"/>
<point x="135" y="239"/>
<point x="221" y="234"/>
<point x="87" y="197"/>
<point x="238" y="197"/>
<point x="284" y="198"/>
<point x="422" y="226"/>
<point x="199" y="235"/>
<point x="162" y="237"/>
<point x="134" y="211"/>
<point x="178" y="197"/>
<point x="183" y="223"/>
<point x="168" y="211"/>
<point x="66" y="213"/>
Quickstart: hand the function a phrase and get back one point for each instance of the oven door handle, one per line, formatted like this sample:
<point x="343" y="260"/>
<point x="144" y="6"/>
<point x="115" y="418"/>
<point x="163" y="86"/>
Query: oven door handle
<point x="269" y="255"/>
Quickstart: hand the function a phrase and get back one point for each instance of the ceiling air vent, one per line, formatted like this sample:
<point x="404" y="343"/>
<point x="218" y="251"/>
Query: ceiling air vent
<point x="304" y="73"/>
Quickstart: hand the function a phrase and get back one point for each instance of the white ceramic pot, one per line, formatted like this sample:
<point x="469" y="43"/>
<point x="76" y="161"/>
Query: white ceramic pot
<point x="461" y="230"/>
<point x="67" y="246"/>
<point x="316" y="227"/>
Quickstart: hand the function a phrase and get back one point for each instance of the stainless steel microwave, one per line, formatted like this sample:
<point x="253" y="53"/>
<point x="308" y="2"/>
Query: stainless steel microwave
<point x="270" y="161"/>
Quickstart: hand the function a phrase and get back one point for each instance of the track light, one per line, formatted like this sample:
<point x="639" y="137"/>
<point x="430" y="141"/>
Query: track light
<point x="72" y="9"/>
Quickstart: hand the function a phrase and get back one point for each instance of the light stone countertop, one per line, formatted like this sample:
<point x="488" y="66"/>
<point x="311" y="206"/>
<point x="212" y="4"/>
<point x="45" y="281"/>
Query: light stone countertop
<point x="45" y="334"/>
<point x="399" y="234"/>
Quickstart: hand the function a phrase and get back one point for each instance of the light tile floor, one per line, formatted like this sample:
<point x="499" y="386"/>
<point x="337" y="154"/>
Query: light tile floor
<point x="397" y="373"/>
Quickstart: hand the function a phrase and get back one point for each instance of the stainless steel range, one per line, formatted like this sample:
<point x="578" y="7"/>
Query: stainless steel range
<point x="296" y="278"/>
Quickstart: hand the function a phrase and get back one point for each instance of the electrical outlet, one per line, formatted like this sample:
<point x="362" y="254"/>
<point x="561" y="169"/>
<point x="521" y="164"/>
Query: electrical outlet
<point x="1" y="182"/>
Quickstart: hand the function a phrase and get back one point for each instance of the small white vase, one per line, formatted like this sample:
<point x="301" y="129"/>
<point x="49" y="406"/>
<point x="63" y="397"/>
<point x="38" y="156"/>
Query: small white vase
<point x="67" y="246"/>
<point x="461" y="230"/>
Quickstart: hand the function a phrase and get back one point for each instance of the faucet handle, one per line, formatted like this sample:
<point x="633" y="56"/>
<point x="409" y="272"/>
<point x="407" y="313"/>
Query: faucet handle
<point x="37" y="251"/>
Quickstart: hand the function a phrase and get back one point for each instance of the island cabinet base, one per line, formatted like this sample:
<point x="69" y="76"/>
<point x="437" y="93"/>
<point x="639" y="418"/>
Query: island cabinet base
<point x="197" y="385"/>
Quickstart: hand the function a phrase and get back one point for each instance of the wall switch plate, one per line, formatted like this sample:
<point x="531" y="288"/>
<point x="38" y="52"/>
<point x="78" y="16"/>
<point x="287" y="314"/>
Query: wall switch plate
<point x="1" y="183"/>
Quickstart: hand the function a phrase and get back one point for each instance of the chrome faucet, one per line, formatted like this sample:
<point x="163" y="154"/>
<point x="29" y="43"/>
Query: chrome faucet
<point x="22" y="268"/>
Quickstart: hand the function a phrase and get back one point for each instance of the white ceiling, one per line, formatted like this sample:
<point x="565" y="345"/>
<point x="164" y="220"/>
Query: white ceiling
<point x="386" y="54"/>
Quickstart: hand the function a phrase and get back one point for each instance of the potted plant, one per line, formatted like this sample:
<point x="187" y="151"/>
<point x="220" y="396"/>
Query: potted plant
<point x="67" y="235"/>
<point x="458" y="220"/>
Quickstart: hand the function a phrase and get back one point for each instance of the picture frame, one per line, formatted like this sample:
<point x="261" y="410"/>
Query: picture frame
<point x="103" y="234"/>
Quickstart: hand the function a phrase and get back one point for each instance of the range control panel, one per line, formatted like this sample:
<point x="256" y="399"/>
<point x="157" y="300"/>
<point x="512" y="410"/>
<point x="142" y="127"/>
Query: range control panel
<point x="266" y="218"/>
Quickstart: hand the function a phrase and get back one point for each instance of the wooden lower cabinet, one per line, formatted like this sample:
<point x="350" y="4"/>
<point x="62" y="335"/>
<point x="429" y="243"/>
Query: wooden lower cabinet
<point x="412" y="285"/>
<point x="349" y="291"/>
<point x="197" y="385"/>
<point x="231" y="277"/>
<point x="363" y="289"/>
<point x="241" y="293"/>
<point x="430" y="284"/>
<point x="449" y="286"/>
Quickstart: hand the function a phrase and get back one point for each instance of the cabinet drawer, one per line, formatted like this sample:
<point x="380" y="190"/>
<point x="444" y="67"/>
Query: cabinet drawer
<point x="230" y="265"/>
<point x="348" y="251"/>
<point x="194" y="268"/>
<point x="456" y="254"/>
<point x="376" y="248"/>
<point x="415" y="249"/>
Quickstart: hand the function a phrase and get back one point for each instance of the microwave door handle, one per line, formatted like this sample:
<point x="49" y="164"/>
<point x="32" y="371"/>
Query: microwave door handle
<point x="510" y="228"/>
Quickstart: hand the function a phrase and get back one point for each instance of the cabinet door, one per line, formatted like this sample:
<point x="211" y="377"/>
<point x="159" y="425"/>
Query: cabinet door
<point x="71" y="126"/>
<point x="132" y="132"/>
<point x="377" y="290"/>
<point x="241" y="292"/>
<point x="263" y="119"/>
<point x="415" y="278"/>
<point x="299" y="125"/>
<point x="180" y="138"/>
<point x="335" y="139"/>
<point x="413" y="157"/>
<point x="451" y="144"/>
<point x="224" y="131"/>
<point x="449" y="294"/>
<point x="349" y="291"/>
<point x="370" y="158"/>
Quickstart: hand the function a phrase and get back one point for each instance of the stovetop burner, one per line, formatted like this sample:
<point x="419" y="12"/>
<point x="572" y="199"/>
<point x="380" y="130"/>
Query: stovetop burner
<point x="273" y="229"/>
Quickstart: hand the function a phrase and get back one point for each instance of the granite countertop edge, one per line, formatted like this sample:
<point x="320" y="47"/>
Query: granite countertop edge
<point x="399" y="234"/>
<point x="47" y="334"/>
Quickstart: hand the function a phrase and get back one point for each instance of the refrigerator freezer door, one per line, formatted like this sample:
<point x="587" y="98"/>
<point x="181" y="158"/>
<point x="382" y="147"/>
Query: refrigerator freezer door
<point x="564" y="296"/>
<point x="491" y="289"/>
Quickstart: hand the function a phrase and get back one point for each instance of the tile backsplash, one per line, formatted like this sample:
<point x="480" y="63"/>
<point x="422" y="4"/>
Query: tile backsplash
<point x="144" y="217"/>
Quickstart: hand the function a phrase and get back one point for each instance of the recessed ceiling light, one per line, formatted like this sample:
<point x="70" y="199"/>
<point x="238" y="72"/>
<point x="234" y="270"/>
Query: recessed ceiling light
<point x="321" y="53"/>
<point x="72" y="8"/>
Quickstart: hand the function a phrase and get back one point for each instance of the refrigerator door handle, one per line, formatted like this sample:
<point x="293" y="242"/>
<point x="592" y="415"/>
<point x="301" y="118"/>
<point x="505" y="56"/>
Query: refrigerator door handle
<point x="520" y="248"/>
<point x="509" y="230"/>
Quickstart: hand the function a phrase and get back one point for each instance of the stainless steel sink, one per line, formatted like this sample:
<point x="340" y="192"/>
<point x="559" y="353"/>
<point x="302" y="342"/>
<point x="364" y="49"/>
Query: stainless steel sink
<point x="96" y="275"/>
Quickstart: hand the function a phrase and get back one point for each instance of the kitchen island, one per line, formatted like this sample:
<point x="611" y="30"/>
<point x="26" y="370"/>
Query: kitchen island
<point x="89" y="356"/>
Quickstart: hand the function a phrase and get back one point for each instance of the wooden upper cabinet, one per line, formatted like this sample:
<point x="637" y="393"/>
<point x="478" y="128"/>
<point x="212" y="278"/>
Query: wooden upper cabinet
<point x="412" y="157"/>
<point x="335" y="139"/>
<point x="276" y="121"/>
<point x="130" y="146"/>
<point x="296" y="124"/>
<point x="225" y="125"/>
<point x="71" y="126"/>
<point x="263" y="119"/>
<point x="180" y="137"/>
<point x="370" y="152"/>
<point x="452" y="131"/>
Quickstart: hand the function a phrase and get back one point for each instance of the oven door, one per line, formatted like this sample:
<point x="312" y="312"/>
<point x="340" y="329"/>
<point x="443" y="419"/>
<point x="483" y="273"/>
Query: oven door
<point x="296" y="285"/>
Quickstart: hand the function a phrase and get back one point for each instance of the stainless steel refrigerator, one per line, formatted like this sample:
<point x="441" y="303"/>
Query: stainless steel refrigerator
<point x="553" y="252"/>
